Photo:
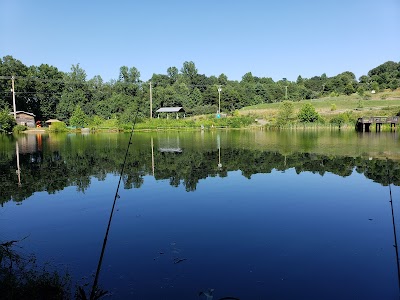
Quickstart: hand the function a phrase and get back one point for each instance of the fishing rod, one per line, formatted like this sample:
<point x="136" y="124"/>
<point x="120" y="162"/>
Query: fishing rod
<point x="394" y="226"/>
<point x="95" y="293"/>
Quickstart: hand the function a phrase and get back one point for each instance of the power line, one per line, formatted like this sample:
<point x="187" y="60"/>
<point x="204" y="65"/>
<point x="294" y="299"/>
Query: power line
<point x="72" y="82"/>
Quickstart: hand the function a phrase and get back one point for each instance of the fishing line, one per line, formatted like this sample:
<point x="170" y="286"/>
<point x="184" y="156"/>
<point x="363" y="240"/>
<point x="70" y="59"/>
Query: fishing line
<point x="96" y="278"/>
<point x="394" y="226"/>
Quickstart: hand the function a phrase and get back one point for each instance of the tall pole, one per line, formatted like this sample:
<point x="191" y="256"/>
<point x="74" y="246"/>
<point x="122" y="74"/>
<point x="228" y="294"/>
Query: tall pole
<point x="13" y="96"/>
<point x="286" y="92"/>
<point x="151" y="102"/>
<point x="219" y="99"/>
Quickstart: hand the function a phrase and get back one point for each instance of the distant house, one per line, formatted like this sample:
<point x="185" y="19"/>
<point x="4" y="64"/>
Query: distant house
<point x="24" y="118"/>
<point x="168" y="110"/>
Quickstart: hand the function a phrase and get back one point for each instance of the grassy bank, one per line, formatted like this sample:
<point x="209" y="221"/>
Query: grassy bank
<point x="386" y="103"/>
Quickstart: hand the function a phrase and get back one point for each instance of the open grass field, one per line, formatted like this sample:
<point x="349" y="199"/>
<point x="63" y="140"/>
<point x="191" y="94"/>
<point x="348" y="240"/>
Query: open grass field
<point x="386" y="103"/>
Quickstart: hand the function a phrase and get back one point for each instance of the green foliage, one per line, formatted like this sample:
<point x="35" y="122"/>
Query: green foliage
<point x="208" y="122"/>
<point x="285" y="113"/>
<point x="19" y="128"/>
<point x="360" y="104"/>
<point x="384" y="96"/>
<point x="56" y="94"/>
<point x="343" y="118"/>
<point x="22" y="278"/>
<point x="386" y="75"/>
<point x="375" y="86"/>
<point x="7" y="121"/>
<point x="96" y="121"/>
<point x="78" y="117"/>
<point x="333" y="107"/>
<point x="58" y="127"/>
<point x="308" y="113"/>
<point x="360" y="91"/>
<point x="349" y="89"/>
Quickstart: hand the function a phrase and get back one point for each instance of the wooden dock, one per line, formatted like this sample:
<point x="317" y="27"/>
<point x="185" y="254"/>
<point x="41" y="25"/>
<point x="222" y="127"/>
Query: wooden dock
<point x="364" y="123"/>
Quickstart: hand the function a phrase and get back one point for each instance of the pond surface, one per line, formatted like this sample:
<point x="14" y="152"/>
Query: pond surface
<point x="250" y="214"/>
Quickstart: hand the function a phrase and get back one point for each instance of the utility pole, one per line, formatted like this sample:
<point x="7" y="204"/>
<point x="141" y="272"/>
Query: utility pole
<point x="151" y="102"/>
<point x="219" y="99"/>
<point x="286" y="91"/>
<point x="13" y="96"/>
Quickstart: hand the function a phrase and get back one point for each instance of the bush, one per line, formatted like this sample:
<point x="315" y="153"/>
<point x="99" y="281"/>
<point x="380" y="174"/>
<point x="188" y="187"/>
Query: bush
<point x="78" y="117"/>
<point x="19" y="128"/>
<point x="58" y="127"/>
<point x="343" y="118"/>
<point x="7" y="121"/>
<point x="285" y="113"/>
<point x="333" y="107"/>
<point x="96" y="121"/>
<point x="360" y="91"/>
<point x="338" y="120"/>
<point x="22" y="278"/>
<point x="308" y="113"/>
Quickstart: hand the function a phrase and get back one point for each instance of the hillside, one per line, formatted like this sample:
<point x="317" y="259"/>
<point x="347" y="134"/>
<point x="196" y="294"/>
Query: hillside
<point x="386" y="103"/>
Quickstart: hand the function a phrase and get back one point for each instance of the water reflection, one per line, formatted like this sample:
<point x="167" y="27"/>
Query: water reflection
<point x="321" y="228"/>
<point x="51" y="163"/>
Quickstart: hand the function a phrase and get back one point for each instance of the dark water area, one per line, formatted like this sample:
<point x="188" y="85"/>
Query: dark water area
<point x="250" y="214"/>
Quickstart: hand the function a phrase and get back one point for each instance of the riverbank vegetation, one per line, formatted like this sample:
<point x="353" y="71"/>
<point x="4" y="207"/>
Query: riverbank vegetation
<point x="81" y="102"/>
<point x="327" y="111"/>
<point x="22" y="278"/>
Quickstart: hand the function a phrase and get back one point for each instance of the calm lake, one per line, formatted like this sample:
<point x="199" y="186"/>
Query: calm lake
<point x="250" y="214"/>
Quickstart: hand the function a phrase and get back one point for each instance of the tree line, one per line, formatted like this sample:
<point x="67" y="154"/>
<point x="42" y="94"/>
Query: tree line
<point x="50" y="93"/>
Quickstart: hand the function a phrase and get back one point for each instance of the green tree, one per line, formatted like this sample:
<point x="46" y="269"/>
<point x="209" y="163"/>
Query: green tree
<point x="349" y="89"/>
<point x="222" y="79"/>
<point x="173" y="74"/>
<point x="78" y="118"/>
<point x="9" y="66"/>
<point x="196" y="98"/>
<point x="285" y="113"/>
<point x="248" y="78"/>
<point x="308" y="113"/>
<point x="7" y="121"/>
<point x="299" y="80"/>
<point x="375" y="86"/>
<point x="68" y="102"/>
<point x="189" y="71"/>
<point x="48" y="90"/>
<point x="360" y="91"/>
<point x="75" y="92"/>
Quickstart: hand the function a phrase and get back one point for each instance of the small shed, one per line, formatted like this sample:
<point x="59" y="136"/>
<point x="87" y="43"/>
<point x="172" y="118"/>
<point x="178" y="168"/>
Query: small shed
<point x="24" y="118"/>
<point x="168" y="110"/>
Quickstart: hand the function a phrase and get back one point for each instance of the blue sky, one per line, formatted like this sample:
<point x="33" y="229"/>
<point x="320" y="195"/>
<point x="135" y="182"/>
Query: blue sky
<point x="275" y="39"/>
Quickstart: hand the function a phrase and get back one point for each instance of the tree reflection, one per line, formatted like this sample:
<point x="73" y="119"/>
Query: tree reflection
<point x="77" y="161"/>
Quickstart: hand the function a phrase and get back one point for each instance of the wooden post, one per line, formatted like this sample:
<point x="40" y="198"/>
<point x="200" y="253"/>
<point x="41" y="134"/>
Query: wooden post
<point x="151" y="103"/>
<point x="13" y="96"/>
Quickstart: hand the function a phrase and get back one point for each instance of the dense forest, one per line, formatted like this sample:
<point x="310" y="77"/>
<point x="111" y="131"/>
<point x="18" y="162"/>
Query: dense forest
<point x="50" y="93"/>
